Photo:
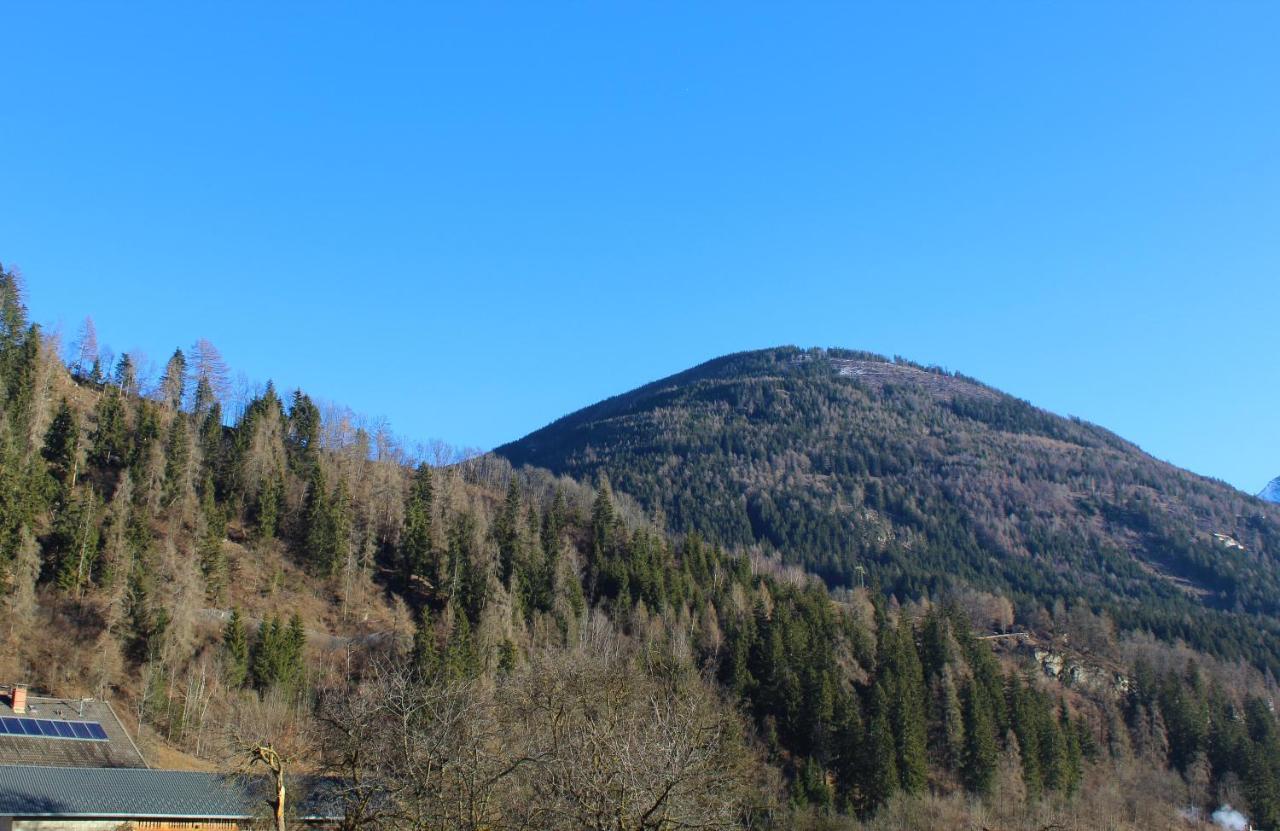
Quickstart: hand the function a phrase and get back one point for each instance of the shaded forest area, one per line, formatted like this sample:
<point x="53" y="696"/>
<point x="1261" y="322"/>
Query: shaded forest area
<point x="470" y="646"/>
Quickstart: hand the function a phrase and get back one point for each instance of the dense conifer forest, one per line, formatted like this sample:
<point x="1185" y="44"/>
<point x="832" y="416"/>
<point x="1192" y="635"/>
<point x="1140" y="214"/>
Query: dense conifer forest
<point x="924" y="479"/>
<point x="657" y="619"/>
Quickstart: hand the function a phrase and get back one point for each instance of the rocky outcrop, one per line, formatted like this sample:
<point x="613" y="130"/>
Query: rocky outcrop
<point x="1079" y="674"/>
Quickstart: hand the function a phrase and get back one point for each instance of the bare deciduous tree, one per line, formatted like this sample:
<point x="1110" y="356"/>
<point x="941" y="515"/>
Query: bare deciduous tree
<point x="84" y="349"/>
<point x="584" y="738"/>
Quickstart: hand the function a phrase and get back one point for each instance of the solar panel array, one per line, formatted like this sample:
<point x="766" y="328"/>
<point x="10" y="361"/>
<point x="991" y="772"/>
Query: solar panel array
<point x="47" y="728"/>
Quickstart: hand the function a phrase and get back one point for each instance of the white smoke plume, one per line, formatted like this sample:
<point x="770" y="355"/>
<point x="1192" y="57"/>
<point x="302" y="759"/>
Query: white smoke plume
<point x="1230" y="819"/>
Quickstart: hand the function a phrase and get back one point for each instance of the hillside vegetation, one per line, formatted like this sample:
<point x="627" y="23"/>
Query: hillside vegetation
<point x="841" y="461"/>
<point x="470" y="646"/>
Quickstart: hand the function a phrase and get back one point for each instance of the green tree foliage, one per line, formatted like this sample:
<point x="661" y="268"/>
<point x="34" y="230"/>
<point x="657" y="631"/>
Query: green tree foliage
<point x="173" y="383"/>
<point x="73" y="545"/>
<point x="417" y="553"/>
<point x="62" y="448"/>
<point x="462" y="656"/>
<point x="903" y="678"/>
<point x="212" y="556"/>
<point x="507" y="534"/>
<point x="278" y="653"/>
<point x="235" y="647"/>
<point x="426" y="651"/>
<point x="177" y="460"/>
<point x="268" y="506"/>
<point x="326" y="524"/>
<point x="883" y="778"/>
<point x="851" y="459"/>
<point x="466" y="577"/>
<point x="110" y="437"/>
<point x="303" y="440"/>
<point x="980" y="749"/>
<point x="148" y="620"/>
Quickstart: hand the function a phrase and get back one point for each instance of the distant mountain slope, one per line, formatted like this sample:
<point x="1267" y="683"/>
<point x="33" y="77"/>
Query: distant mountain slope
<point x="840" y="460"/>
<point x="1271" y="493"/>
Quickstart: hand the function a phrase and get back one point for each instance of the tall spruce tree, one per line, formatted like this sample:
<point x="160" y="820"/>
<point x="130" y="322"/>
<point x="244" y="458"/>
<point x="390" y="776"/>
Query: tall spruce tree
<point x="62" y="448"/>
<point x="177" y="460"/>
<point x="882" y="778"/>
<point x="462" y="658"/>
<point x="909" y="723"/>
<point x="507" y="533"/>
<point x="235" y="646"/>
<point x="173" y="383"/>
<point x="417" y="556"/>
<point x="981" y="754"/>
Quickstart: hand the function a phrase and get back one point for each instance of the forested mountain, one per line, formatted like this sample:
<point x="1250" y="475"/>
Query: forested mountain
<point x="466" y="645"/>
<point x="840" y="461"/>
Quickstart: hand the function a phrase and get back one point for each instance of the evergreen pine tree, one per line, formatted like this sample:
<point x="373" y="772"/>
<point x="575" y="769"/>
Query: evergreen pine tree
<point x="1025" y="723"/>
<point x="602" y="522"/>
<point x="850" y="741"/>
<point x="416" y="551"/>
<point x="74" y="542"/>
<point x="110" y="435"/>
<point x="126" y="376"/>
<point x="213" y="560"/>
<point x="235" y="644"/>
<point x="173" y="384"/>
<point x="909" y="711"/>
<point x="882" y="779"/>
<point x="62" y="448"/>
<point x="203" y="401"/>
<point x="268" y="505"/>
<point x="318" y="539"/>
<point x="267" y="653"/>
<point x="466" y="575"/>
<point x="295" y="646"/>
<point x="462" y="659"/>
<point x="340" y="523"/>
<point x="177" y="460"/>
<point x="507" y="533"/>
<point x="951" y="720"/>
<point x="1072" y="767"/>
<point x="812" y="788"/>
<point x="303" y="441"/>
<point x="426" y="656"/>
<point x="981" y="754"/>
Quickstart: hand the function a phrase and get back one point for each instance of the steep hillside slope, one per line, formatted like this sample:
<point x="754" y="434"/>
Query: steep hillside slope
<point x="1271" y="493"/>
<point x="842" y="461"/>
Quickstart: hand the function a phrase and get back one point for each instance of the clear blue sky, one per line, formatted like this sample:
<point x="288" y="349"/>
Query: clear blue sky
<point x="473" y="219"/>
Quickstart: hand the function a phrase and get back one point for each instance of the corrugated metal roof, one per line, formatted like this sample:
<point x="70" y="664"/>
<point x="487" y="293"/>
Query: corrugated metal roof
<point x="31" y="791"/>
<point x="140" y="793"/>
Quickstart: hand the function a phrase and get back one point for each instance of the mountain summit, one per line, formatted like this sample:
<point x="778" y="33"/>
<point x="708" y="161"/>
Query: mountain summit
<point x="856" y="466"/>
<point x="1271" y="493"/>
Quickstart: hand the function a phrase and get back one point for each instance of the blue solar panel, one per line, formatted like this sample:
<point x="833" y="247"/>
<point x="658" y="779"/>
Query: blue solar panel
<point x="47" y="728"/>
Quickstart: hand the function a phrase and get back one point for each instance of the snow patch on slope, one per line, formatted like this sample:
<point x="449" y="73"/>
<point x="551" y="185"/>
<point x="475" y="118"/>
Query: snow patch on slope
<point x="1271" y="493"/>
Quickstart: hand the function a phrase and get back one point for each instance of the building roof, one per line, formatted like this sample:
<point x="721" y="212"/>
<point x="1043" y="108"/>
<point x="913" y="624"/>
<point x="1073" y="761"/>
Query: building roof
<point x="118" y="751"/>
<point x="139" y="793"/>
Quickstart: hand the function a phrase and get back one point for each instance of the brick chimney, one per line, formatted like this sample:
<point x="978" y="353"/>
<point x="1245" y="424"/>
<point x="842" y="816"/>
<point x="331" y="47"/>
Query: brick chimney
<point x="18" y="699"/>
